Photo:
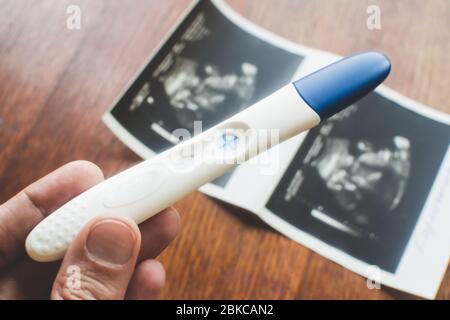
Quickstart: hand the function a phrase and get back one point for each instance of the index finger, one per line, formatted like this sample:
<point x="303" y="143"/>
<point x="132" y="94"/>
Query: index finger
<point x="21" y="213"/>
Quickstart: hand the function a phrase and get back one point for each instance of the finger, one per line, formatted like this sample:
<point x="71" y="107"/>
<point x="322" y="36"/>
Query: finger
<point x="21" y="213"/>
<point x="147" y="282"/>
<point x="157" y="233"/>
<point x="100" y="261"/>
<point x="28" y="279"/>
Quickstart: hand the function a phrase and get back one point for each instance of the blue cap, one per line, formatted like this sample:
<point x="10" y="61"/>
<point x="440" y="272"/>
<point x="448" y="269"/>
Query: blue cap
<point x="331" y="89"/>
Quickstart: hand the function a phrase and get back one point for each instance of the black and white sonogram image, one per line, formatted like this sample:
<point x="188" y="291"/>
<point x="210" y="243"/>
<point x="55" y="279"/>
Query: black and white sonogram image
<point x="208" y="70"/>
<point x="360" y="180"/>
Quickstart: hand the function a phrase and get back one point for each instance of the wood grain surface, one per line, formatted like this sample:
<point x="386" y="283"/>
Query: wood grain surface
<point x="56" y="83"/>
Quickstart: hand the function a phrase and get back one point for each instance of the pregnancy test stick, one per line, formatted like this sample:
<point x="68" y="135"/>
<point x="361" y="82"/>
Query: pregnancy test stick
<point x="152" y="185"/>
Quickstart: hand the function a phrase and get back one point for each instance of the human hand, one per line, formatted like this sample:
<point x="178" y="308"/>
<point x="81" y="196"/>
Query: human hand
<point x="111" y="258"/>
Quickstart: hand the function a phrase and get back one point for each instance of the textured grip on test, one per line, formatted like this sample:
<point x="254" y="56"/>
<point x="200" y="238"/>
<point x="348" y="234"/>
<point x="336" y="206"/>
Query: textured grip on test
<point x="50" y="239"/>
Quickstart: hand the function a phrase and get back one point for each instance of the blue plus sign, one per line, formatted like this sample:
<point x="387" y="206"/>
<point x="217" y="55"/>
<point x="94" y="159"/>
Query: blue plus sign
<point x="229" y="141"/>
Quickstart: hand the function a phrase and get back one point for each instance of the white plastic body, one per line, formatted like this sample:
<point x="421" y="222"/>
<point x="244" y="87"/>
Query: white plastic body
<point x="151" y="186"/>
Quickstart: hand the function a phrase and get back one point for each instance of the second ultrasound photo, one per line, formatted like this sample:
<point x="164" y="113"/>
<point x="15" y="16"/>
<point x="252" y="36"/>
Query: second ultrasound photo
<point x="360" y="180"/>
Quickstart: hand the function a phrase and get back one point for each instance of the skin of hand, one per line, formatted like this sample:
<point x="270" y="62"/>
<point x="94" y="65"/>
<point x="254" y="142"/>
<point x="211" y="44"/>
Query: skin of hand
<point x="111" y="258"/>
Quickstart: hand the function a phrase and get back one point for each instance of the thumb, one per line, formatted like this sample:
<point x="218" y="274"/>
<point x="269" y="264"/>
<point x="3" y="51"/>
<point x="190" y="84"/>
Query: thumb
<point x="100" y="261"/>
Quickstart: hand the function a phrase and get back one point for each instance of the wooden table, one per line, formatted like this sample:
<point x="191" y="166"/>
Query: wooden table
<point x="55" y="84"/>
